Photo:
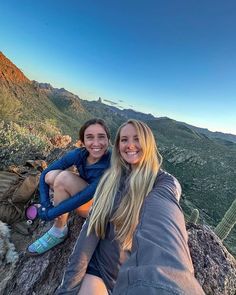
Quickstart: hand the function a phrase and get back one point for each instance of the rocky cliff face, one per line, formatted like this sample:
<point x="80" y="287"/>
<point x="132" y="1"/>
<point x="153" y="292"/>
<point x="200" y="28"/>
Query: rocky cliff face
<point x="9" y="73"/>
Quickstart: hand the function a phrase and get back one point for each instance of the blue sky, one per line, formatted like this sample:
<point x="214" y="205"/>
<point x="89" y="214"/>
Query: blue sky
<point x="169" y="58"/>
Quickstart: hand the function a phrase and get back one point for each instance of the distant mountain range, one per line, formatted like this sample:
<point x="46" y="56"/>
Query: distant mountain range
<point x="203" y="161"/>
<point x="216" y="134"/>
<point x="129" y="113"/>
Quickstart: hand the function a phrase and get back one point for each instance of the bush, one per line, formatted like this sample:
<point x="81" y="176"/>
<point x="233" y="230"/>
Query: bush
<point x="18" y="144"/>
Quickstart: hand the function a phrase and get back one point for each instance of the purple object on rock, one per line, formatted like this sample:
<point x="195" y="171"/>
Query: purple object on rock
<point x="31" y="212"/>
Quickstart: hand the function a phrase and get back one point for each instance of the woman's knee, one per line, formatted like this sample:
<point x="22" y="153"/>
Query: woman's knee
<point x="51" y="176"/>
<point x="70" y="181"/>
<point x="62" y="179"/>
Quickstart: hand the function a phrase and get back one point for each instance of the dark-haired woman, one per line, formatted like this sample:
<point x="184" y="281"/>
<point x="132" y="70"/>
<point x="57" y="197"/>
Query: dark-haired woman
<point x="72" y="190"/>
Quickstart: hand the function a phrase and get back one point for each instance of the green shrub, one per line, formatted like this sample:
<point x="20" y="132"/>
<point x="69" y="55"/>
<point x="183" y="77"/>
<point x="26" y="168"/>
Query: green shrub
<point x="19" y="144"/>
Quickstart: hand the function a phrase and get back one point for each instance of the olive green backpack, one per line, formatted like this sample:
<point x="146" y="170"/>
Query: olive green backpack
<point x="17" y="190"/>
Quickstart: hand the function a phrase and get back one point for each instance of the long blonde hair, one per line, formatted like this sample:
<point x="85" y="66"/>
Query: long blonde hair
<point x="141" y="180"/>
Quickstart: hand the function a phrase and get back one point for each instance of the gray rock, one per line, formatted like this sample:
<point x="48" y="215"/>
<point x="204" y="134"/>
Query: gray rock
<point x="215" y="267"/>
<point x="41" y="275"/>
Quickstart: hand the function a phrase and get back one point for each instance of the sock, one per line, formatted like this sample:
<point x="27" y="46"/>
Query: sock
<point x="58" y="231"/>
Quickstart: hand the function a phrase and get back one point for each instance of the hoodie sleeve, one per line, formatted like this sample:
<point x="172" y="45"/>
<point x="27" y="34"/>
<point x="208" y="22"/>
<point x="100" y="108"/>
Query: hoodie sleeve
<point x="63" y="163"/>
<point x="160" y="261"/>
<point x="71" y="203"/>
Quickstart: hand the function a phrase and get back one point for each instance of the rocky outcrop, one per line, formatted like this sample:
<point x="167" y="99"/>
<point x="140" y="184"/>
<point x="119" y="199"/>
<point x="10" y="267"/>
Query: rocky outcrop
<point x="9" y="73"/>
<point x="8" y="256"/>
<point x="41" y="274"/>
<point x="176" y="155"/>
<point x="61" y="141"/>
<point x="215" y="267"/>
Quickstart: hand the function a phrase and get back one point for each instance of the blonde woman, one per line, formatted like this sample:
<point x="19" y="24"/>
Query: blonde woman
<point x="106" y="240"/>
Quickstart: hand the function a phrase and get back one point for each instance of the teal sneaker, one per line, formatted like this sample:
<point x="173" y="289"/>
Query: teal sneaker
<point x="44" y="243"/>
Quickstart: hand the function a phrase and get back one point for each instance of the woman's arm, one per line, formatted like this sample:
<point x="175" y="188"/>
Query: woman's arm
<point x="71" y="203"/>
<point x="160" y="261"/>
<point x="63" y="163"/>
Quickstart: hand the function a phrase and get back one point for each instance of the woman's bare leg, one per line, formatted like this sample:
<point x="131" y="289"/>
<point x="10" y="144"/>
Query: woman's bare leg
<point x="83" y="210"/>
<point x="92" y="285"/>
<point x="65" y="184"/>
<point x="51" y="176"/>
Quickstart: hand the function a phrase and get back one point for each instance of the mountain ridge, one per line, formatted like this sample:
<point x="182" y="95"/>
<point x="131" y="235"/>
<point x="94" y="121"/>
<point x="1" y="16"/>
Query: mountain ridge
<point x="127" y="113"/>
<point x="10" y="73"/>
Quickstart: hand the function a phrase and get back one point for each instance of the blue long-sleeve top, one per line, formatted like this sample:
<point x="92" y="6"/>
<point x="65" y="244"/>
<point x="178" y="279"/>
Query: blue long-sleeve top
<point x="90" y="173"/>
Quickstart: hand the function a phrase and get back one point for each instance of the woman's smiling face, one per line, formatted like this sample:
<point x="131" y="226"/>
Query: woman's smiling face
<point x="96" y="142"/>
<point x="129" y="145"/>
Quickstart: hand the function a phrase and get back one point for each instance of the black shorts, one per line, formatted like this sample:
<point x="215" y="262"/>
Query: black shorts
<point x="92" y="270"/>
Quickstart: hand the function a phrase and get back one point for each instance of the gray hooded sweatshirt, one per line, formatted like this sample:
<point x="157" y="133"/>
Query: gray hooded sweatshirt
<point x="160" y="261"/>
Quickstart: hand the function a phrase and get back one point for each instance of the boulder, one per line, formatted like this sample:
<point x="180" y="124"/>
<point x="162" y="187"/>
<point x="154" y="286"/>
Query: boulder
<point x="215" y="267"/>
<point x="8" y="255"/>
<point x="41" y="274"/>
